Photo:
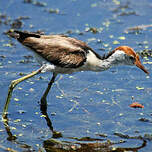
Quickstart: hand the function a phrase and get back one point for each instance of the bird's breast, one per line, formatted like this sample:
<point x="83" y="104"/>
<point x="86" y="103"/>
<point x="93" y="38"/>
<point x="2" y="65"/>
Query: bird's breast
<point x="92" y="62"/>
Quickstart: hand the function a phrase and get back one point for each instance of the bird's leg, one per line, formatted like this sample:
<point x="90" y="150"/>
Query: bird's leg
<point x="43" y="99"/>
<point x="12" y="86"/>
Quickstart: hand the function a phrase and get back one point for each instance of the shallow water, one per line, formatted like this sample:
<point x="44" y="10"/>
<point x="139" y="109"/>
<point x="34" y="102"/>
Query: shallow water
<point x="83" y="104"/>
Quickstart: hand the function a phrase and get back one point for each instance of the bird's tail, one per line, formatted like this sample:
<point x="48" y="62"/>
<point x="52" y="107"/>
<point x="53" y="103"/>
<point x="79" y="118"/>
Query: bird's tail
<point x="21" y="35"/>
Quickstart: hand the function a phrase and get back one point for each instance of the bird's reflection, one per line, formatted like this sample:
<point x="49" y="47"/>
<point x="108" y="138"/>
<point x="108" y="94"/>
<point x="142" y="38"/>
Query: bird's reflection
<point x="55" y="134"/>
<point x="13" y="138"/>
<point x="10" y="137"/>
<point x="82" y="144"/>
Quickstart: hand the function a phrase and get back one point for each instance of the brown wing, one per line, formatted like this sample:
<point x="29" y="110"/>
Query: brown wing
<point x="59" y="50"/>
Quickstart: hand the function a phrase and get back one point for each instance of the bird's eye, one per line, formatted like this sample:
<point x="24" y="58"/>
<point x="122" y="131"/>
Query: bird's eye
<point x="131" y="58"/>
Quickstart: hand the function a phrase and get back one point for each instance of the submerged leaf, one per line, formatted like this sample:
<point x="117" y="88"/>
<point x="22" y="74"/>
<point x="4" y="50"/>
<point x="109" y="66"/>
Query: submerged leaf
<point x="116" y="42"/>
<point x="16" y="99"/>
<point x="139" y="88"/>
<point x="121" y="38"/>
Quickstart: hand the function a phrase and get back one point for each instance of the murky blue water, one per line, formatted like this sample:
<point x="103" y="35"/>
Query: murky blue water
<point x="85" y="103"/>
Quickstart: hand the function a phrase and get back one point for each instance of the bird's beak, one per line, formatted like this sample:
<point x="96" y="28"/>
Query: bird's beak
<point x="139" y="65"/>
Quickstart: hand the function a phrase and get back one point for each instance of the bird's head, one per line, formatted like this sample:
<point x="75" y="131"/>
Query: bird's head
<point x="126" y="55"/>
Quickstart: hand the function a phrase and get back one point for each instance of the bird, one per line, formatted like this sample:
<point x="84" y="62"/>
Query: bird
<point x="61" y="54"/>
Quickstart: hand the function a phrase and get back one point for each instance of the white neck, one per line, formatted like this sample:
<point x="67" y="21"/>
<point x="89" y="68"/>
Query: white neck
<point x="95" y="64"/>
<point x="117" y="58"/>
